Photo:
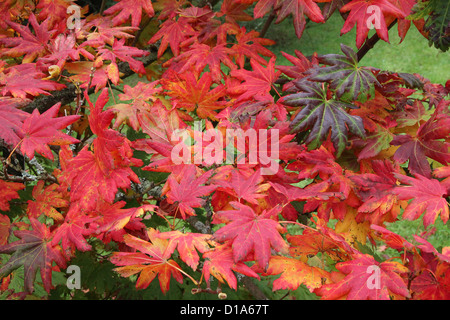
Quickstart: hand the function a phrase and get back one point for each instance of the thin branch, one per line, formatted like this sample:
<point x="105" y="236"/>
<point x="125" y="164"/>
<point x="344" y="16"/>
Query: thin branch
<point x="370" y="43"/>
<point x="68" y="95"/>
<point x="267" y="24"/>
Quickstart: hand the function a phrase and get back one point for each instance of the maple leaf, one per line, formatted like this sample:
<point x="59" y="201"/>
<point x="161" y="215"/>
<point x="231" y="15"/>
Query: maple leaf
<point x="311" y="242"/>
<point x="130" y="8"/>
<point x="39" y="131"/>
<point x="432" y="285"/>
<point x="427" y="143"/>
<point x="23" y="79"/>
<point x="298" y="9"/>
<point x="392" y="239"/>
<point x="258" y="82"/>
<point x="107" y="169"/>
<point x="100" y="31"/>
<point x="201" y="55"/>
<point x="194" y="93"/>
<point x="81" y="73"/>
<point x="301" y="65"/>
<point x="366" y="279"/>
<point x="187" y="245"/>
<point x="11" y="119"/>
<point x="250" y="45"/>
<point x="54" y="10"/>
<point x="321" y="115"/>
<point x="316" y="191"/>
<point x="234" y="11"/>
<point x="248" y="188"/>
<point x="250" y="232"/>
<point x="73" y="230"/>
<point x="30" y="45"/>
<point x="33" y="251"/>
<point x="124" y="53"/>
<point x="344" y="74"/>
<point x="172" y="32"/>
<point x="295" y="273"/>
<point x="376" y="190"/>
<point x="46" y="200"/>
<point x="139" y="95"/>
<point x="64" y="48"/>
<point x="362" y="16"/>
<point x="152" y="261"/>
<point x="187" y="192"/>
<point x="428" y="195"/>
<point x="219" y="263"/>
<point x="8" y="192"/>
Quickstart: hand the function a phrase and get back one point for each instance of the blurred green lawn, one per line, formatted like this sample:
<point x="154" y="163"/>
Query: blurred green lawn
<point x="413" y="55"/>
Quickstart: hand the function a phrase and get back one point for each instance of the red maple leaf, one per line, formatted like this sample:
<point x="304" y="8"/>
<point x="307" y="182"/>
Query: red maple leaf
<point x="24" y="79"/>
<point x="366" y="279"/>
<point x="201" y="55"/>
<point x="186" y="190"/>
<point x="73" y="231"/>
<point x="187" y="245"/>
<point x="41" y="130"/>
<point x="8" y="192"/>
<point x="152" y="260"/>
<point x="251" y="233"/>
<point x="250" y="45"/>
<point x="139" y="95"/>
<point x="11" y="119"/>
<point x="34" y="251"/>
<point x="242" y="187"/>
<point x="220" y="264"/>
<point x="172" y="32"/>
<point x="428" y="143"/>
<point x="29" y="44"/>
<point x="362" y="16"/>
<point x="297" y="8"/>
<point x="427" y="195"/>
<point x="104" y="171"/>
<point x="130" y="8"/>
<point x="194" y="92"/>
<point x="257" y="83"/>
<point x="46" y="200"/>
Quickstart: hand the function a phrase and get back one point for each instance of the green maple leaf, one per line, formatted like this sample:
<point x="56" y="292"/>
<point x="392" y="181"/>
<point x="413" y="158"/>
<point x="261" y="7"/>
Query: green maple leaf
<point x="344" y="74"/>
<point x="322" y="114"/>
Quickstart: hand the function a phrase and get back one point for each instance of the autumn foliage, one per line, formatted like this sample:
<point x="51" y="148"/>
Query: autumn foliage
<point x="93" y="171"/>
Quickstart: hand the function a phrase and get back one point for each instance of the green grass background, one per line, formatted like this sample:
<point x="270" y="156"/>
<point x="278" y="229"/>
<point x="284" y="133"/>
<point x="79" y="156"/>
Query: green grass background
<point x="413" y="55"/>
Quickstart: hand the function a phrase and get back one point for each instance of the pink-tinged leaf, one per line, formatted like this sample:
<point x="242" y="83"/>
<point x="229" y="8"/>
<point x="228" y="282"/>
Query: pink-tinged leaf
<point x="426" y="195"/>
<point x="251" y="233"/>
<point x="130" y="8"/>
<point x="367" y="279"/>
<point x="41" y="130"/>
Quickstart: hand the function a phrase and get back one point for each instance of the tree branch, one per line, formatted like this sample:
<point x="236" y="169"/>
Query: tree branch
<point x="370" y="43"/>
<point x="67" y="95"/>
